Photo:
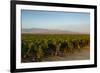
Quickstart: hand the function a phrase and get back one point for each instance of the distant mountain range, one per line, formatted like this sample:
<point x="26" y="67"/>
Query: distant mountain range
<point x="47" y="31"/>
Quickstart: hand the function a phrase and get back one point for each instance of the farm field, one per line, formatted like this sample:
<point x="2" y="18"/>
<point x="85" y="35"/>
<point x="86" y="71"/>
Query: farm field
<point x="54" y="47"/>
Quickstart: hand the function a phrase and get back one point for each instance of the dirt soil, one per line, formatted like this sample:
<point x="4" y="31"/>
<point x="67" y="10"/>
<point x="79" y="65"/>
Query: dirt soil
<point x="84" y="54"/>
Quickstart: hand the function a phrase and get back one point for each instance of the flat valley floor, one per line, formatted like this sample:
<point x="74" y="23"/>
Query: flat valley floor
<point x="77" y="53"/>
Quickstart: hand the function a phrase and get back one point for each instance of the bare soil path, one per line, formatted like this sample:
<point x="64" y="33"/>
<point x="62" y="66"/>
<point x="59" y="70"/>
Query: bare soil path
<point x="84" y="54"/>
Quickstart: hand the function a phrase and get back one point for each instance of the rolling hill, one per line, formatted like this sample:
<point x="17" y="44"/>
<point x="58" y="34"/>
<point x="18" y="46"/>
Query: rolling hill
<point x="47" y="31"/>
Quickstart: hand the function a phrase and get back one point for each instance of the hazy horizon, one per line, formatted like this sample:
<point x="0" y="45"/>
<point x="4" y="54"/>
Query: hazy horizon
<point x="67" y="21"/>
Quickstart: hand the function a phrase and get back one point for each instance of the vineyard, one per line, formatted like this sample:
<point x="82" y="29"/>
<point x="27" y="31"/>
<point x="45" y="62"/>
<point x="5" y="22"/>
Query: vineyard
<point x="38" y="47"/>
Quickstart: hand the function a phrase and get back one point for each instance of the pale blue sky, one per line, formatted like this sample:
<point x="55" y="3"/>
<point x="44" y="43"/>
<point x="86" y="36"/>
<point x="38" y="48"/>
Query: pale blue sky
<point x="71" y="21"/>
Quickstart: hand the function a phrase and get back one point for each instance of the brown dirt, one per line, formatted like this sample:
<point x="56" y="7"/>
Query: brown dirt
<point x="83" y="54"/>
